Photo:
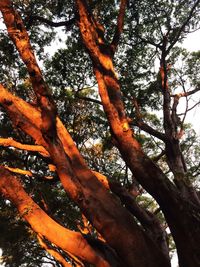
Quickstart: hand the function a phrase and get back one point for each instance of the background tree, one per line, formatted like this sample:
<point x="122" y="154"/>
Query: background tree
<point x="101" y="187"/>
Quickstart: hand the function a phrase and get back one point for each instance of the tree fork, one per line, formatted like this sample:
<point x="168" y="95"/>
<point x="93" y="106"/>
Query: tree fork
<point x="155" y="182"/>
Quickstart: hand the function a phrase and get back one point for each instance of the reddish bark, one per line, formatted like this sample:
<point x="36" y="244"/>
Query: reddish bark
<point x="104" y="211"/>
<point x="154" y="181"/>
<point x="19" y="36"/>
<point x="45" y="226"/>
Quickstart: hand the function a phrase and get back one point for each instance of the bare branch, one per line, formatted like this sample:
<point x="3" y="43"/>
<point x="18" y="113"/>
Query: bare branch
<point x="191" y="13"/>
<point x="148" y="41"/>
<point x="158" y="157"/>
<point x="89" y="99"/>
<point x="67" y="24"/>
<point x="187" y="93"/>
<point x="35" y="148"/>
<point x="144" y="126"/>
<point x="189" y="109"/>
<point x="17" y="170"/>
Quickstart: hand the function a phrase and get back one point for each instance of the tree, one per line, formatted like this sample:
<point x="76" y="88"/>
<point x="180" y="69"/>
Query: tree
<point x="124" y="230"/>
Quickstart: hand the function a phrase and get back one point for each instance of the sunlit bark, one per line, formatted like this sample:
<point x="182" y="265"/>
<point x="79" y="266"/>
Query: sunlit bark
<point x="154" y="181"/>
<point x="42" y="224"/>
<point x="17" y="170"/>
<point x="19" y="36"/>
<point x="53" y="252"/>
<point x="104" y="211"/>
<point x="9" y="142"/>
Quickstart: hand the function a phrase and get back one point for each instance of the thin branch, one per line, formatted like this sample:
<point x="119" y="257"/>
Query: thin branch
<point x="158" y="157"/>
<point x="151" y="42"/>
<point x="189" y="109"/>
<point x="9" y="142"/>
<point x="76" y="260"/>
<point x="17" y="170"/>
<point x="155" y="11"/>
<point x="183" y="26"/>
<point x="187" y="93"/>
<point x="144" y="126"/>
<point x="89" y="99"/>
<point x="68" y="23"/>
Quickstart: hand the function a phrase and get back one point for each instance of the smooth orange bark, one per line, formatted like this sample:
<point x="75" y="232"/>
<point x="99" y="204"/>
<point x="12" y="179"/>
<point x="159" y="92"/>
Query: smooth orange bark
<point x="44" y="225"/>
<point x="105" y="212"/>
<point x="12" y="143"/>
<point x="53" y="252"/>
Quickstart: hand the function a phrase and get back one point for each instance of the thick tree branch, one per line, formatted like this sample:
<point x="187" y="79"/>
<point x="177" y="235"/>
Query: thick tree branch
<point x="20" y="38"/>
<point x="110" y="94"/>
<point x="42" y="224"/>
<point x="153" y="180"/>
<point x="148" y="129"/>
<point x="119" y="27"/>
<point x="53" y="252"/>
<point x="108" y="208"/>
<point x="148" y="220"/>
<point x="173" y="151"/>
<point x="85" y="176"/>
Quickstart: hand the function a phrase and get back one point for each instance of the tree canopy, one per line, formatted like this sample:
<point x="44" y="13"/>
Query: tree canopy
<point x="98" y="163"/>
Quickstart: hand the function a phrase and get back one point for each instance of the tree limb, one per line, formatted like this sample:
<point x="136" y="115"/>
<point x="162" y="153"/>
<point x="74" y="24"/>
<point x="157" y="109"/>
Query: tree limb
<point x="31" y="118"/>
<point x="148" y="220"/>
<point x="144" y="126"/>
<point x="35" y="148"/>
<point x="96" y="101"/>
<point x="119" y="27"/>
<point x="67" y="24"/>
<point x="187" y="93"/>
<point x="17" y="170"/>
<point x="53" y="252"/>
<point x="44" y="225"/>
<point x="191" y="13"/>
<point x="19" y="36"/>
